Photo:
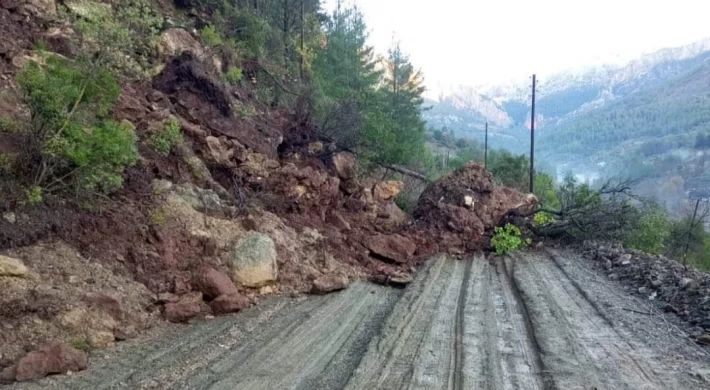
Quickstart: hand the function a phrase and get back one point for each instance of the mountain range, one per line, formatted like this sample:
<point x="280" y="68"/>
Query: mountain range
<point x="651" y="105"/>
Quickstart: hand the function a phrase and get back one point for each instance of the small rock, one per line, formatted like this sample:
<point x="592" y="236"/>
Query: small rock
<point x="704" y="339"/>
<point x="685" y="283"/>
<point x="50" y="359"/>
<point x="125" y="333"/>
<point x="625" y="259"/>
<point x="168" y="298"/>
<point x="181" y="311"/>
<point x="607" y="264"/>
<point x="614" y="276"/>
<point x="642" y="290"/>
<point x="393" y="247"/>
<point x="72" y="279"/>
<point x="401" y="279"/>
<point x="209" y="317"/>
<point x="10" y="217"/>
<point x="12" y="267"/>
<point x="329" y="283"/>
<point x="7" y="374"/>
<point x="108" y="303"/>
<point x="656" y="283"/>
<point x="266" y="290"/>
<point x="225" y="304"/>
<point x="386" y="190"/>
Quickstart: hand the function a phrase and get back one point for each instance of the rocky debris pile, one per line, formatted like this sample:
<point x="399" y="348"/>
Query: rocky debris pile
<point x="464" y="205"/>
<point x="666" y="282"/>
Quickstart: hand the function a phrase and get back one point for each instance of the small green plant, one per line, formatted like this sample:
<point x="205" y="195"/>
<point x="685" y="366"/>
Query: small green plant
<point x="7" y="163"/>
<point x="34" y="195"/>
<point x="166" y="138"/>
<point x="246" y="110"/>
<point x="8" y="125"/>
<point x="508" y="239"/>
<point x="80" y="344"/>
<point x="234" y="75"/>
<point x="210" y="37"/>
<point x="542" y="218"/>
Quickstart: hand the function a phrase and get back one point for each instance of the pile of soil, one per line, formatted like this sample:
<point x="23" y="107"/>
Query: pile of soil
<point x="462" y="207"/>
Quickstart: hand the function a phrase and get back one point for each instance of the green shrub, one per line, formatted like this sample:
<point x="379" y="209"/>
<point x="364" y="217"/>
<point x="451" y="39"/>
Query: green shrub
<point x="80" y="344"/>
<point x="210" y="37"/>
<point x="508" y="239"/>
<point x="234" y="75"/>
<point x="7" y="163"/>
<point x="542" y="218"/>
<point x="34" y="195"/>
<point x="168" y="137"/>
<point x="70" y="141"/>
<point x="651" y="231"/>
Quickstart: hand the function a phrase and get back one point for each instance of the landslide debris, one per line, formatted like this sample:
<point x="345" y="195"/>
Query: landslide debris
<point x="464" y="205"/>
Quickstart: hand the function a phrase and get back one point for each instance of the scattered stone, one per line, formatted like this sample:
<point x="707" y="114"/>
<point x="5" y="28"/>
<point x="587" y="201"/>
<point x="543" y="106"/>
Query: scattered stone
<point x="401" y="279"/>
<point x="266" y="290"/>
<point x="344" y="165"/>
<point x="253" y="260"/>
<point x="10" y="217"/>
<point x="189" y="306"/>
<point x="225" y="304"/>
<point x="12" y="267"/>
<point x="50" y="359"/>
<point x="685" y="283"/>
<point x="329" y="283"/>
<point x="213" y="283"/>
<point x="108" y="303"/>
<point x="392" y="247"/>
<point x="96" y="327"/>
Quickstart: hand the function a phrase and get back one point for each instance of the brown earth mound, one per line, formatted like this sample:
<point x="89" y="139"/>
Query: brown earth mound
<point x="464" y="205"/>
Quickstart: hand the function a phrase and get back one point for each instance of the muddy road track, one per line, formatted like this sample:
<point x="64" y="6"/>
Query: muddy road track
<point x="534" y="320"/>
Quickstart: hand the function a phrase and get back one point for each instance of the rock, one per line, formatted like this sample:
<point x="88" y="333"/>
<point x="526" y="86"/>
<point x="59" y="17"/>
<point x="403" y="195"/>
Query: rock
<point x="182" y="311"/>
<point x="12" y="267"/>
<point x="50" y="359"/>
<point x="125" y="332"/>
<point x="266" y="290"/>
<point x="225" y="304"/>
<point x="344" y="165"/>
<point x="174" y="41"/>
<point x="10" y="217"/>
<point x="386" y="190"/>
<point x="220" y="152"/>
<point x="45" y="9"/>
<point x="252" y="261"/>
<point x="167" y="297"/>
<point x="624" y="259"/>
<point x="642" y="290"/>
<point x="88" y="9"/>
<point x="96" y="327"/>
<point x="7" y="374"/>
<point x="337" y="220"/>
<point x="704" y="339"/>
<point x="350" y="186"/>
<point x="607" y="264"/>
<point x="213" y="283"/>
<point x="108" y="303"/>
<point x="469" y="202"/>
<point x="685" y="283"/>
<point x="329" y="283"/>
<point x="392" y="247"/>
<point x="401" y="279"/>
<point x="393" y="213"/>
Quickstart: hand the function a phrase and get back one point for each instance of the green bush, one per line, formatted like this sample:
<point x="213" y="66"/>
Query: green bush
<point x="166" y="138"/>
<point x="80" y="344"/>
<point x="651" y="231"/>
<point x="70" y="142"/>
<point x="508" y="239"/>
<point x="542" y="218"/>
<point x="234" y="75"/>
<point x="210" y="37"/>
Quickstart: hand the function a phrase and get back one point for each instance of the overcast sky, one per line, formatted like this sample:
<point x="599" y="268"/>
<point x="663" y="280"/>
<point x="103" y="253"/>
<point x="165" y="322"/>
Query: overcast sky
<point x="474" y="42"/>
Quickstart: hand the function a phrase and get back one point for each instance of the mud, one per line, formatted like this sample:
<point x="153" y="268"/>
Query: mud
<point x="534" y="320"/>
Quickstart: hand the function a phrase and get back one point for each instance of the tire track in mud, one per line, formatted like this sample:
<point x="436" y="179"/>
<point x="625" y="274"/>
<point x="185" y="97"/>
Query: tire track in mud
<point x="528" y="321"/>
<point x="585" y="349"/>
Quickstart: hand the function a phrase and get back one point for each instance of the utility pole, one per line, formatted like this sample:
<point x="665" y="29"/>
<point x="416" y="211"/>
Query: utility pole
<point x="690" y="230"/>
<point x="485" y="150"/>
<point x="532" y="140"/>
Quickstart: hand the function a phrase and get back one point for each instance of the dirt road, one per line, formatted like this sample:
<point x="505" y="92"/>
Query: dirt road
<point x="538" y="320"/>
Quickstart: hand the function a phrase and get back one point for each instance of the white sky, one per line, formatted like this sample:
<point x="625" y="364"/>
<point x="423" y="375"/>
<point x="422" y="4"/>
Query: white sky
<point x="473" y="42"/>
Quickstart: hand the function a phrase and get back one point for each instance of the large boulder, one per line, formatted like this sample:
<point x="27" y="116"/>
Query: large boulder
<point x="392" y="247"/>
<point x="12" y="267"/>
<point x="212" y="283"/>
<point x="94" y="326"/>
<point x="50" y="359"/>
<point x="253" y="260"/>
